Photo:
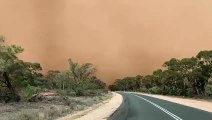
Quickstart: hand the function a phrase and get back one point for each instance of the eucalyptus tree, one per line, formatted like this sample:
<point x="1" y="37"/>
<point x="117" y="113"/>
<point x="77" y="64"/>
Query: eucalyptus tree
<point x="205" y="62"/>
<point x="147" y="81"/>
<point x="51" y="79"/>
<point x="15" y="73"/>
<point x="8" y="64"/>
<point x="203" y="72"/>
<point x="176" y="75"/>
<point x="157" y="78"/>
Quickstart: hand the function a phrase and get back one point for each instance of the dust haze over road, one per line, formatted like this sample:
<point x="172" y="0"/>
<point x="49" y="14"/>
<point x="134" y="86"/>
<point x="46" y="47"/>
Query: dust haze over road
<point x="121" y="37"/>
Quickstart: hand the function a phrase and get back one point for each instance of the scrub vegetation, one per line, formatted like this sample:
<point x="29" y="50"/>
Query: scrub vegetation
<point x="23" y="87"/>
<point x="190" y="77"/>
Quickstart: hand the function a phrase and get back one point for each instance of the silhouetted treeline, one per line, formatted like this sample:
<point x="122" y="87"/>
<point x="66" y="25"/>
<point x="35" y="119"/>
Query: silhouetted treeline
<point x="185" y="77"/>
<point x="20" y="80"/>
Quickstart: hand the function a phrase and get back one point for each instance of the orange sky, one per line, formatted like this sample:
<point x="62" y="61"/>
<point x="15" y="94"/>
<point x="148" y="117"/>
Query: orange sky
<point x="121" y="37"/>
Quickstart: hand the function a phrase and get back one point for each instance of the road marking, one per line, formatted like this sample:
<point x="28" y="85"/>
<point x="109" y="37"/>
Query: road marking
<point x="161" y="108"/>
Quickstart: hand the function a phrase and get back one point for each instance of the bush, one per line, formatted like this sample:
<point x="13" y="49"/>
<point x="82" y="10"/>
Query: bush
<point x="190" y="92"/>
<point x="26" y="117"/>
<point x="208" y="90"/>
<point x="82" y="88"/>
<point x="52" y="112"/>
<point x="30" y="91"/>
<point x="155" y="90"/>
<point x="95" y="92"/>
<point x="79" y="91"/>
<point x="143" y="89"/>
<point x="210" y="82"/>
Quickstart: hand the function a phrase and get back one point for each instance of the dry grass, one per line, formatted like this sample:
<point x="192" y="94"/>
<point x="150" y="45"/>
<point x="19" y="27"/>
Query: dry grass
<point x="47" y="110"/>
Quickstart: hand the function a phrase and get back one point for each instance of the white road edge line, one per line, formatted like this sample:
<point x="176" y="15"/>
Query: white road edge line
<point x="161" y="108"/>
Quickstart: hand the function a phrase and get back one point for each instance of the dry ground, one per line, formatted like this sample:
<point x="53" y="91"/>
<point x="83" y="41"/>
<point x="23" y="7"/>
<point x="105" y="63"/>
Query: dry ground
<point x="98" y="112"/>
<point x="48" y="110"/>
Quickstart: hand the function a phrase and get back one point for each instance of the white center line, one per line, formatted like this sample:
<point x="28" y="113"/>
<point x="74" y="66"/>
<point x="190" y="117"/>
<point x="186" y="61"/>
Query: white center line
<point x="161" y="108"/>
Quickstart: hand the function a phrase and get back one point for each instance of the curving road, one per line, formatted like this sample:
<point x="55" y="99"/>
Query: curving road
<point x="141" y="107"/>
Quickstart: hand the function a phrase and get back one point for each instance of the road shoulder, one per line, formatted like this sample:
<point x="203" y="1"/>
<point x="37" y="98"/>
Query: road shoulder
<point x="100" y="111"/>
<point x="195" y="103"/>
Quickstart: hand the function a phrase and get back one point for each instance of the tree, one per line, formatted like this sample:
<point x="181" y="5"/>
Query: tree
<point x="81" y="72"/>
<point x="98" y="84"/>
<point x="147" y="81"/>
<point x="51" y="79"/>
<point x="8" y="64"/>
<point x="15" y="73"/>
<point x="205" y="63"/>
<point x="127" y="84"/>
<point x="186" y="77"/>
<point x="157" y="78"/>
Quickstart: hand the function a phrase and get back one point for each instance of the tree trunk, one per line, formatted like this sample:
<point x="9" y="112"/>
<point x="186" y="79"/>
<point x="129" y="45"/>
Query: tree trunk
<point x="13" y="96"/>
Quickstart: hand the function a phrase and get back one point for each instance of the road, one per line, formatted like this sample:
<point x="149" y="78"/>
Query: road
<point x="141" y="107"/>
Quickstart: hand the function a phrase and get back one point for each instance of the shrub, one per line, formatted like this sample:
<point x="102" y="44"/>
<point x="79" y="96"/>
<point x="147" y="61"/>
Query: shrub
<point x="143" y="89"/>
<point x="52" y="113"/>
<point x="210" y="82"/>
<point x="94" y="92"/>
<point x="79" y="91"/>
<point x="208" y="89"/>
<point x="155" y="90"/>
<point x="30" y="91"/>
<point x="25" y="117"/>
<point x="190" y="92"/>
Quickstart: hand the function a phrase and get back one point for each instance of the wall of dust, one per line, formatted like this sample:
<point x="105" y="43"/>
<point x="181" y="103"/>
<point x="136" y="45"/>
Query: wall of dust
<point x="121" y="37"/>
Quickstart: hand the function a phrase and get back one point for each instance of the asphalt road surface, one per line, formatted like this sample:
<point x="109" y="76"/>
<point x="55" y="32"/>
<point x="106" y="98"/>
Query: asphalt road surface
<point x="141" y="107"/>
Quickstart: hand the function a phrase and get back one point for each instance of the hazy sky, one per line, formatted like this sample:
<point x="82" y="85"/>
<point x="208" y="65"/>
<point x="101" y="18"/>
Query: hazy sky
<point x="121" y="37"/>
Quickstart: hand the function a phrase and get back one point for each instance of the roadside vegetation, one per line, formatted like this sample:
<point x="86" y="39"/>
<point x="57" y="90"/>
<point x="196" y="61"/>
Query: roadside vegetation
<point x="26" y="93"/>
<point x="191" y="77"/>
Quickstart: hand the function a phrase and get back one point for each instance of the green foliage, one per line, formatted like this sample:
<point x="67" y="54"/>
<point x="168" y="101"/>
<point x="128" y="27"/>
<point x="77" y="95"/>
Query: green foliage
<point x="17" y="76"/>
<point x="210" y="82"/>
<point x="190" y="92"/>
<point x="51" y="79"/>
<point x="79" y="78"/>
<point x="208" y="89"/>
<point x="185" y="77"/>
<point x="79" y="91"/>
<point x="30" y="91"/>
<point x="83" y="78"/>
<point x="143" y="89"/>
<point x="146" y="81"/>
<point x="81" y="72"/>
<point x="155" y="90"/>
<point x="97" y="83"/>
<point x="127" y="84"/>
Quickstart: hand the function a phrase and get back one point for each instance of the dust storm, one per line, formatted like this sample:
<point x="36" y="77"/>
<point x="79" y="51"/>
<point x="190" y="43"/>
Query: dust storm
<point x="120" y="37"/>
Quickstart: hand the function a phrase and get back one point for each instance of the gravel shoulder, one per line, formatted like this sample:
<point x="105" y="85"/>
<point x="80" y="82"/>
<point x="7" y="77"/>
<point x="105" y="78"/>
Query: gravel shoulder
<point x="201" y="104"/>
<point x="99" y="111"/>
